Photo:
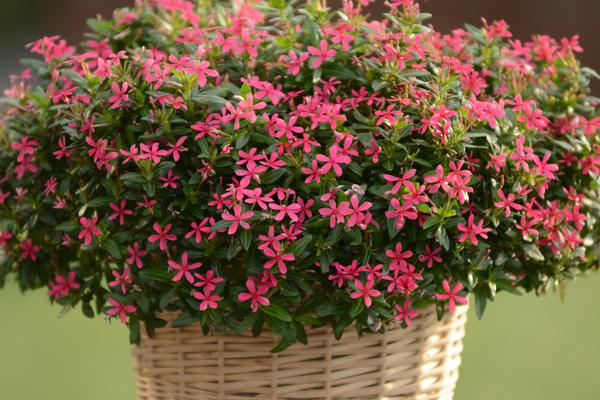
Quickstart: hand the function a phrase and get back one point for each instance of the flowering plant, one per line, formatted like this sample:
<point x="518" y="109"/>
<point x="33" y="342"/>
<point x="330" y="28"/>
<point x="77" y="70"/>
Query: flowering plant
<point x="269" y="164"/>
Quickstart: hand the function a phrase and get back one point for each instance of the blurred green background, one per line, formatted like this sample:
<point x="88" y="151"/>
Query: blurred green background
<point x="525" y="348"/>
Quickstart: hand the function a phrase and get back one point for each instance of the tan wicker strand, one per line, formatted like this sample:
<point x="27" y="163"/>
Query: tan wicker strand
<point x="418" y="363"/>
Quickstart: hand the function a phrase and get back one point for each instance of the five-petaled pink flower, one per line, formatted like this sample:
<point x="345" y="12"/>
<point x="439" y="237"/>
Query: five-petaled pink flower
<point x="209" y="300"/>
<point x="120" y="94"/>
<point x="507" y="203"/>
<point x="162" y="236"/>
<point x="451" y="295"/>
<point x="121" y="279"/>
<point x="135" y="255"/>
<point x="89" y="229"/>
<point x="29" y="250"/>
<point x="321" y="54"/>
<point x="472" y="230"/>
<point x="122" y="310"/>
<point x="184" y="268"/>
<point x="405" y="313"/>
<point x="277" y="257"/>
<point x="365" y="291"/>
<point x="120" y="211"/>
<point x="336" y="213"/>
<point x="255" y="295"/>
<point x="239" y="219"/>
<point x="210" y="280"/>
<point x="398" y="257"/>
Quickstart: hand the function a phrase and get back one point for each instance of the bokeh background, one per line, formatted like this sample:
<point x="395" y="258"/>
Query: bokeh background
<point x="526" y="348"/>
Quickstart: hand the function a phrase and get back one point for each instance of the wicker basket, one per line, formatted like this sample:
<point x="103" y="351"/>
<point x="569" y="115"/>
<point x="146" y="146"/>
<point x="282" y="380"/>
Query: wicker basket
<point x="416" y="363"/>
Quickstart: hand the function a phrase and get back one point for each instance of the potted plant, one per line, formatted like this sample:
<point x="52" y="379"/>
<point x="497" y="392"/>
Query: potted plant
<point x="283" y="201"/>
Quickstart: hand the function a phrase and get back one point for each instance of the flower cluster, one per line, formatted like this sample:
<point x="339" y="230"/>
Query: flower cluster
<point x="266" y="164"/>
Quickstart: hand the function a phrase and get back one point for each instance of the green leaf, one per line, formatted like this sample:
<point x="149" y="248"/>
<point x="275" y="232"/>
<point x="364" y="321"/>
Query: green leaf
<point x="391" y="227"/>
<point x="433" y="220"/>
<point x="155" y="274"/>
<point x="326" y="309"/>
<point x="221" y="225"/>
<point x="357" y="308"/>
<point x="277" y="311"/>
<point x="133" y="180"/>
<point x="533" y="252"/>
<point x="167" y="298"/>
<point x="183" y="320"/>
<point x="134" y="330"/>
<point x="298" y="246"/>
<point x="112" y="247"/>
<point x="98" y="202"/>
<point x="210" y="99"/>
<point x="480" y="303"/>
<point x="87" y="309"/>
<point x="65" y="227"/>
<point x="442" y="237"/>
<point x="246" y="238"/>
<point x="247" y="322"/>
<point x="282" y="345"/>
<point x="272" y="176"/>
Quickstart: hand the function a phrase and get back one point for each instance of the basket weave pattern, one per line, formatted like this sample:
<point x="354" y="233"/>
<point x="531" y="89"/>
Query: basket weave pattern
<point x="420" y="362"/>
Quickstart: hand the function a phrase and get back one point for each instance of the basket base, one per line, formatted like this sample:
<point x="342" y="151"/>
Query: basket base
<point x="418" y="363"/>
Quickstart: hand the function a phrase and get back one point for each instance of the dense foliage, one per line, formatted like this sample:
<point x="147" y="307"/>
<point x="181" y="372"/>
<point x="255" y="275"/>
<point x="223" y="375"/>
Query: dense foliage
<point x="256" y="164"/>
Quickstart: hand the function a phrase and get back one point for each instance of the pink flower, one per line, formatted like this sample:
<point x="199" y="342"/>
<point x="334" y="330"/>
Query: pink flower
<point x="202" y="70"/>
<point x="178" y="148"/>
<point x="25" y="147"/>
<point x="170" y="180"/>
<point x="209" y="300"/>
<point x="543" y="168"/>
<point x="152" y="152"/>
<point x="401" y="212"/>
<point x="430" y="256"/>
<point x="184" y="268"/>
<point x="162" y="236"/>
<point x="404" y="313"/>
<point x="136" y="255"/>
<point x="357" y="211"/>
<point x="334" y="161"/>
<point x="472" y="230"/>
<point x="122" y="310"/>
<point x="398" y="182"/>
<point x="373" y="150"/>
<point x="122" y="280"/>
<point x="293" y="63"/>
<point x="120" y="94"/>
<point x="255" y="295"/>
<point x="277" y="257"/>
<point x="120" y="211"/>
<point x="451" y="295"/>
<point x="63" y="286"/>
<point x="209" y="280"/>
<point x="314" y="172"/>
<point x="29" y="250"/>
<point x="201" y="228"/>
<point x="507" y="202"/>
<point x="238" y="219"/>
<point x="497" y="161"/>
<point x="289" y="210"/>
<point x="398" y="257"/>
<point x="335" y="212"/>
<point x="89" y="229"/>
<point x="322" y="54"/>
<point x="388" y="115"/>
<point x="365" y="291"/>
